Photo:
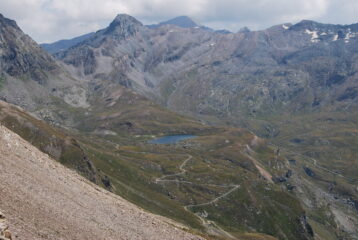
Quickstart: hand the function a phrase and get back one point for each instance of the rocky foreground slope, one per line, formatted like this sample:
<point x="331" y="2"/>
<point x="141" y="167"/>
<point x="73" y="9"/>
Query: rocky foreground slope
<point x="44" y="200"/>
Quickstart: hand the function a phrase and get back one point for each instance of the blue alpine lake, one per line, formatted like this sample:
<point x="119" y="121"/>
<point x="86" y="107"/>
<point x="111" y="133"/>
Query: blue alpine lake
<point x="171" y="139"/>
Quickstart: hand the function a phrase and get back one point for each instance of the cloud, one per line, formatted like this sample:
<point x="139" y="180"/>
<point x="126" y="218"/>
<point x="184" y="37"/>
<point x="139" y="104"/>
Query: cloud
<point x="50" y="20"/>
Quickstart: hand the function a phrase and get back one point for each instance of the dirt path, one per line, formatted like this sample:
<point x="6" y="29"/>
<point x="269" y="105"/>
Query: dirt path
<point x="215" y="199"/>
<point x="182" y="172"/>
<point x="262" y="171"/>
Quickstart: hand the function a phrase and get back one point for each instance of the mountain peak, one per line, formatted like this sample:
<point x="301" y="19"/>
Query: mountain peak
<point x="244" y="30"/>
<point x="7" y="22"/>
<point x="181" y="21"/>
<point x="125" y="18"/>
<point x="123" y="25"/>
<point x="308" y="24"/>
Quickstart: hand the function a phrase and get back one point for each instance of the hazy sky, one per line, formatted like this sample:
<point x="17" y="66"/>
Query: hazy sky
<point x="50" y="20"/>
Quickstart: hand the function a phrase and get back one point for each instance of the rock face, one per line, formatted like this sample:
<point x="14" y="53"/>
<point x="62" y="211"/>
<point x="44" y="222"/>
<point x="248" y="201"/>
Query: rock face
<point x="123" y="26"/>
<point x="45" y="200"/>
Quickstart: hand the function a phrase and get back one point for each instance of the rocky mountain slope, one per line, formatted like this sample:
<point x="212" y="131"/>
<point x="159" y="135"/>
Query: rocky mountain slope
<point x="44" y="200"/>
<point x="30" y="77"/>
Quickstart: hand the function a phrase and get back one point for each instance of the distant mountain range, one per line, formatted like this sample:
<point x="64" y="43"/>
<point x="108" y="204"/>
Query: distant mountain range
<point x="182" y="21"/>
<point x="62" y="45"/>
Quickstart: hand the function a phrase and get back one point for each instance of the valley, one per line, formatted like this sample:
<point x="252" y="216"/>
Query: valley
<point x="268" y="120"/>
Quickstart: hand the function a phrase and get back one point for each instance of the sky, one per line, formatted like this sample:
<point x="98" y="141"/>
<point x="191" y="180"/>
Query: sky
<point x="52" y="20"/>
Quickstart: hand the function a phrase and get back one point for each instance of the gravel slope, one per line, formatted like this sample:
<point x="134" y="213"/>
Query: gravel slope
<point x="42" y="199"/>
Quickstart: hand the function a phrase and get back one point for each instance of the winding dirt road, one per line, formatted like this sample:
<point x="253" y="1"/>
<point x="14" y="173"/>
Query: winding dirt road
<point x="211" y="226"/>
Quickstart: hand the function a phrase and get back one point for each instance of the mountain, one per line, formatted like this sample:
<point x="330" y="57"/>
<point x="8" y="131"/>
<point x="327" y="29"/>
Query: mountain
<point x="43" y="199"/>
<point x="64" y="44"/>
<point x="30" y="77"/>
<point x="291" y="59"/>
<point x="186" y="22"/>
<point x="244" y="30"/>
<point x="20" y="55"/>
<point x="181" y="21"/>
<point x="223" y="31"/>
<point x="294" y="85"/>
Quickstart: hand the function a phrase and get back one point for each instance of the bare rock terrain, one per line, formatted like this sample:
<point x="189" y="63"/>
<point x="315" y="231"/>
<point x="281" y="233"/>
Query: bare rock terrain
<point x="42" y="199"/>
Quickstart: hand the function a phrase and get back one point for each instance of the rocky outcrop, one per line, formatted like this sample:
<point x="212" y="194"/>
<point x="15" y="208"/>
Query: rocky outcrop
<point x="5" y="233"/>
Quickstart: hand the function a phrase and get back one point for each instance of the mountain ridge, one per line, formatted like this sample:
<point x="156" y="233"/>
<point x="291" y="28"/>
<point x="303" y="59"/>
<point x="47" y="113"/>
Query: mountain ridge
<point x="61" y="45"/>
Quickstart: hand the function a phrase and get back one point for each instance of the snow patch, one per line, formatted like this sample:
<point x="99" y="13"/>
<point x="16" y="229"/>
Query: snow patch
<point x="335" y="38"/>
<point x="314" y="35"/>
<point x="323" y="34"/>
<point x="285" y="27"/>
<point x="350" y="35"/>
